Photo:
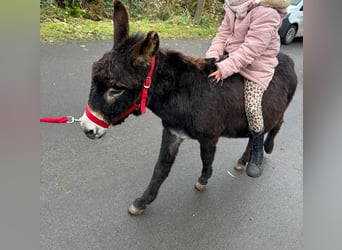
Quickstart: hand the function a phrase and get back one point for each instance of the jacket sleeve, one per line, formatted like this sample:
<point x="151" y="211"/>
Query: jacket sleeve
<point x="217" y="46"/>
<point x="262" y="28"/>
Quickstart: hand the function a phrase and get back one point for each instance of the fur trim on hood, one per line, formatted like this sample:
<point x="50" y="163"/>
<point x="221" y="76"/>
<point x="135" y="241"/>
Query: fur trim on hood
<point x="281" y="4"/>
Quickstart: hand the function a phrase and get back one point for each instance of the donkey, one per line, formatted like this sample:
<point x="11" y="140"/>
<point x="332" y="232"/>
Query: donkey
<point x="137" y="74"/>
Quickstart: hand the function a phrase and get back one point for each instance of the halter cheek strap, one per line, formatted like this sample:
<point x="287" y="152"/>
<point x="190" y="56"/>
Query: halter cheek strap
<point x="142" y="96"/>
<point x="147" y="86"/>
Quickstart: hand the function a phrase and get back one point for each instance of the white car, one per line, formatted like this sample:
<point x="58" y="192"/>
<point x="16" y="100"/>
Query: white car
<point x="292" y="25"/>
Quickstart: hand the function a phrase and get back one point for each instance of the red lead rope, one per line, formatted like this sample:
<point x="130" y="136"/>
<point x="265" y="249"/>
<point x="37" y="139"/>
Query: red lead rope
<point x="63" y="119"/>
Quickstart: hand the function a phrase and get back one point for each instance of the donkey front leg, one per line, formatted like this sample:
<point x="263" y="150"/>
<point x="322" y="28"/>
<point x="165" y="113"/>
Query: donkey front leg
<point x="167" y="155"/>
<point x="208" y="149"/>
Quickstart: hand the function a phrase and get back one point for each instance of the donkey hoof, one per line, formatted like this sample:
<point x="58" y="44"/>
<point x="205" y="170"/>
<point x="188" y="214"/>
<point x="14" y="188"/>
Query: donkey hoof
<point x="239" y="167"/>
<point x="200" y="187"/>
<point x="268" y="148"/>
<point x="133" y="210"/>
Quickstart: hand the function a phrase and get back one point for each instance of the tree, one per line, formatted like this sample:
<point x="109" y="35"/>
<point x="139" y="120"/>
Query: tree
<point x="199" y="9"/>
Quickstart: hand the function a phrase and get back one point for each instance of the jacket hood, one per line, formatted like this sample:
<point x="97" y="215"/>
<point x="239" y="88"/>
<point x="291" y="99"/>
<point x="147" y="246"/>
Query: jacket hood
<point x="278" y="4"/>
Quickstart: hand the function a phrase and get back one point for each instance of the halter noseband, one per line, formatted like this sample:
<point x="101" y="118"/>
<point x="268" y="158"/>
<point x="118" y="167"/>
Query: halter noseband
<point x="94" y="119"/>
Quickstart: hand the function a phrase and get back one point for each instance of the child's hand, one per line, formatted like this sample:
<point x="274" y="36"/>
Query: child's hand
<point x="216" y="76"/>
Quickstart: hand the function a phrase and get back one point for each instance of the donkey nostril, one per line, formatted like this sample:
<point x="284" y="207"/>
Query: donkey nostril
<point x="90" y="134"/>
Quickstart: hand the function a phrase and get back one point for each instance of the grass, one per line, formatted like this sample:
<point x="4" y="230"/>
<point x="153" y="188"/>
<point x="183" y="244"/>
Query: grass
<point x="75" y="29"/>
<point x="57" y="27"/>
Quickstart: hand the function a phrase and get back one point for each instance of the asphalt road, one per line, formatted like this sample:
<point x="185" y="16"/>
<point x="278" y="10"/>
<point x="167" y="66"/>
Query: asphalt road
<point x="87" y="185"/>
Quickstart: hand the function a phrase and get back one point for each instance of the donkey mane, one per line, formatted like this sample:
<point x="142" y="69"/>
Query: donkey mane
<point x="185" y="60"/>
<point x="175" y="57"/>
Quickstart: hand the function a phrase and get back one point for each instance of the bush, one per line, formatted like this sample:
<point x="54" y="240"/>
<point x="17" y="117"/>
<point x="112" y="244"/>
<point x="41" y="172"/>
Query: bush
<point x="153" y="10"/>
<point x="95" y="9"/>
<point x="165" y="9"/>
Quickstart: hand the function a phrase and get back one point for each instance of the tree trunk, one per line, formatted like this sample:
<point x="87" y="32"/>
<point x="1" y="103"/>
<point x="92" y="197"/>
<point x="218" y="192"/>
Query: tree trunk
<point x="199" y="9"/>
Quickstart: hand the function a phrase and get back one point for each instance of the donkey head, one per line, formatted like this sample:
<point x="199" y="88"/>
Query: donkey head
<point x="118" y="77"/>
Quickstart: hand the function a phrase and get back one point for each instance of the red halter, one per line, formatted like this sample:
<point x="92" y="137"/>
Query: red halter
<point x="135" y="106"/>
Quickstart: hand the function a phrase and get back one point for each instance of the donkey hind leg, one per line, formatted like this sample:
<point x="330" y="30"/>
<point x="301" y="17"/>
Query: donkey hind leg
<point x="167" y="155"/>
<point x="208" y="150"/>
<point x="269" y="142"/>
<point x="242" y="162"/>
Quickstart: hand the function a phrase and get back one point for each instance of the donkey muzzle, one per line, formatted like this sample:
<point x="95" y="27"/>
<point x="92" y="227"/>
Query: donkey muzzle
<point x="93" y="126"/>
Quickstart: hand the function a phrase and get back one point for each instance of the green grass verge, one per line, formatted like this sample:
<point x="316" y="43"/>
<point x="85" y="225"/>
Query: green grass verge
<point x="54" y="31"/>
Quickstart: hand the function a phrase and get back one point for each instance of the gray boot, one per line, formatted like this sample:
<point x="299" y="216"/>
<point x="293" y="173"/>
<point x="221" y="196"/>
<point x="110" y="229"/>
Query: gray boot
<point x="254" y="166"/>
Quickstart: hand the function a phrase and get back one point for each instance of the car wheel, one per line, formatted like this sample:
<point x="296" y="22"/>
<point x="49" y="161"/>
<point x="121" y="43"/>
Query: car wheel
<point x="289" y="35"/>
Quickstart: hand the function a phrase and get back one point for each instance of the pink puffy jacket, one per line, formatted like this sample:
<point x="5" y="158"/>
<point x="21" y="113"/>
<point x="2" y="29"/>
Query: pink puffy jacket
<point x="252" y="44"/>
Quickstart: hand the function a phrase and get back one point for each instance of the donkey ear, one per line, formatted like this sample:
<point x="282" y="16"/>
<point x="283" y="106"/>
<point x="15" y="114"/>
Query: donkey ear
<point x="144" y="50"/>
<point x="120" y="20"/>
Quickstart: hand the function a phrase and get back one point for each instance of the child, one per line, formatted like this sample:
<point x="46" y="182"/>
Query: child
<point x="249" y="36"/>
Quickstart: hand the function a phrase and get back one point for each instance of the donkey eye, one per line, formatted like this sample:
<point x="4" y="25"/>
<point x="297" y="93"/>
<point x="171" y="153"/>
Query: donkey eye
<point x="115" y="92"/>
<point x="112" y="93"/>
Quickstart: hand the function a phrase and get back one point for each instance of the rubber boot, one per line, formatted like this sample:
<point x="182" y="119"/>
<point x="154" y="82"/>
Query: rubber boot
<point x="254" y="166"/>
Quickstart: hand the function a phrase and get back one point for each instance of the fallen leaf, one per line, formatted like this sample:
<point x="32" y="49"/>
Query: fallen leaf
<point x="231" y="174"/>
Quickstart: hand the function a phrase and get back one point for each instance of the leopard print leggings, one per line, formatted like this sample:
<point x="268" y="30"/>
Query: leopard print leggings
<point x="253" y="97"/>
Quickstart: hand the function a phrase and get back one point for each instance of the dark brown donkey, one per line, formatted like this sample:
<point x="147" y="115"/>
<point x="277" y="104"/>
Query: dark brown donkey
<point x="175" y="87"/>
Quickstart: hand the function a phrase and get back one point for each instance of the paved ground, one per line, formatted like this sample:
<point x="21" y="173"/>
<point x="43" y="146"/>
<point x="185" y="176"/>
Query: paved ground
<point x="87" y="186"/>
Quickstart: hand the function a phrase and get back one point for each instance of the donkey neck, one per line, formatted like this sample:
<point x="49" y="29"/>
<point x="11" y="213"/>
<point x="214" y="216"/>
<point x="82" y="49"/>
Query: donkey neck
<point x="173" y="68"/>
<point x="176" y="79"/>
